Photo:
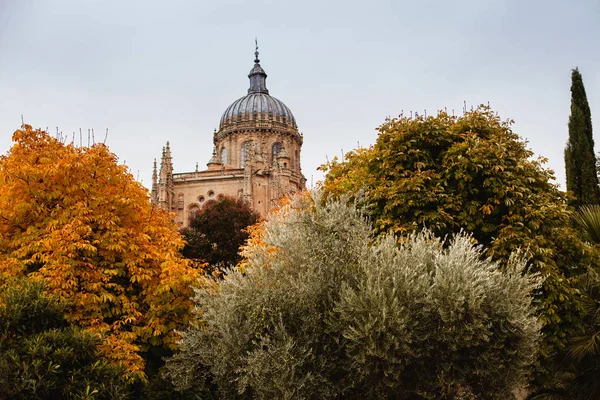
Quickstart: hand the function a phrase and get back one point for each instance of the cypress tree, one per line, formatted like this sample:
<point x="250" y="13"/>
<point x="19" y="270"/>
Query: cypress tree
<point x="580" y="160"/>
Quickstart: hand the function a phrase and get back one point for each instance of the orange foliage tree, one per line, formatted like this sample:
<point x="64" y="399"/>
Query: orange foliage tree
<point x="76" y="219"/>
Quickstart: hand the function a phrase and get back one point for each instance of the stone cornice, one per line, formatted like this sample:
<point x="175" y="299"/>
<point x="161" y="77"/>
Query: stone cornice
<point x="267" y="128"/>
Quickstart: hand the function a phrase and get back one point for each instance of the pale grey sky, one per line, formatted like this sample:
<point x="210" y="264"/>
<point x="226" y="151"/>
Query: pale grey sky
<point x="152" y="71"/>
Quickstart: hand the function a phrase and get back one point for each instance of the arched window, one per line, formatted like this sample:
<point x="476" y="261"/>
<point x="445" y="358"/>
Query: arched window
<point x="245" y="153"/>
<point x="275" y="149"/>
<point x="224" y="156"/>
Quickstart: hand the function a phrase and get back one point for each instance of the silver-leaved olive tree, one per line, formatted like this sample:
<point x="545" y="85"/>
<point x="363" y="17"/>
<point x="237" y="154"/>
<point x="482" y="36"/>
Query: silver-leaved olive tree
<point x="322" y="310"/>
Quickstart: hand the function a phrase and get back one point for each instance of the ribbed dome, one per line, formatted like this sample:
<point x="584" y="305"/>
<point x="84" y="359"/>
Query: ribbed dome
<point x="257" y="106"/>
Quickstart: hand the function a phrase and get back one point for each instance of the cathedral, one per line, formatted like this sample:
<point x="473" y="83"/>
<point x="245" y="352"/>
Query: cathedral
<point x="256" y="157"/>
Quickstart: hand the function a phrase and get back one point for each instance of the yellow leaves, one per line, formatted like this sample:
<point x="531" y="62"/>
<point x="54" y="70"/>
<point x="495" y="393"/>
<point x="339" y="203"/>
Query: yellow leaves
<point x="106" y="298"/>
<point x="78" y="220"/>
<point x="419" y="165"/>
<point x="119" y="349"/>
<point x="486" y="209"/>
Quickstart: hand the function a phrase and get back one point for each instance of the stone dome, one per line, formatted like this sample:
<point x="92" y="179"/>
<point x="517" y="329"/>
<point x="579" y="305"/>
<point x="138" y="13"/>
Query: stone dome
<point x="257" y="108"/>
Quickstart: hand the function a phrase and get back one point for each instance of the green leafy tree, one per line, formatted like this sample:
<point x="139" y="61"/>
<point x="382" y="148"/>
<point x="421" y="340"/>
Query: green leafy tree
<point x="584" y="350"/>
<point x="576" y="377"/>
<point x="473" y="172"/>
<point x="580" y="161"/>
<point x="323" y="312"/>
<point x="218" y="231"/>
<point x="42" y="356"/>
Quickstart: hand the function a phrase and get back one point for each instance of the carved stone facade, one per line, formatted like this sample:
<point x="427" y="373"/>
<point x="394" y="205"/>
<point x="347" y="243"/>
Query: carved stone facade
<point x="256" y="156"/>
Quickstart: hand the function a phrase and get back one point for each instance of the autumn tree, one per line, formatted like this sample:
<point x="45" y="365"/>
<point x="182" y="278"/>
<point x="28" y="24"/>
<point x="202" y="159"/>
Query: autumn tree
<point x="324" y="311"/>
<point x="42" y="356"/>
<point x="580" y="159"/>
<point x="75" y="219"/>
<point x="218" y="231"/>
<point x="473" y="173"/>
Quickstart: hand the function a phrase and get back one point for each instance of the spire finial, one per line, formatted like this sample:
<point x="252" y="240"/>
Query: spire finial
<point x="256" y="60"/>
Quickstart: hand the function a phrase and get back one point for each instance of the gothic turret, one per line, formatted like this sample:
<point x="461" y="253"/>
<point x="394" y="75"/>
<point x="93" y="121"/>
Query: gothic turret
<point x="214" y="161"/>
<point x="154" y="198"/>
<point x="165" y="192"/>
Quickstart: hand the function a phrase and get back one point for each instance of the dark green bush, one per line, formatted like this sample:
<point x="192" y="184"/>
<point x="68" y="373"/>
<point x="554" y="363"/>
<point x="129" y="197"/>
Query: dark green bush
<point x="43" y="357"/>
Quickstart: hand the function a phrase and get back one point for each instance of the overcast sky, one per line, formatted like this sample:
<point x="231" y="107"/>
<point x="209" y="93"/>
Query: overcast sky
<point x="158" y="71"/>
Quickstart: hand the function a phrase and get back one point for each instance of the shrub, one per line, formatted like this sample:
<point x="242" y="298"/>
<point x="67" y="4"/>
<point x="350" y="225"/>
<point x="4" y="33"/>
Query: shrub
<point x="43" y="357"/>
<point x="323" y="312"/>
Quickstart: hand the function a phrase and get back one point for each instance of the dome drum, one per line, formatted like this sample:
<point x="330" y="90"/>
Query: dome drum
<point x="258" y="128"/>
